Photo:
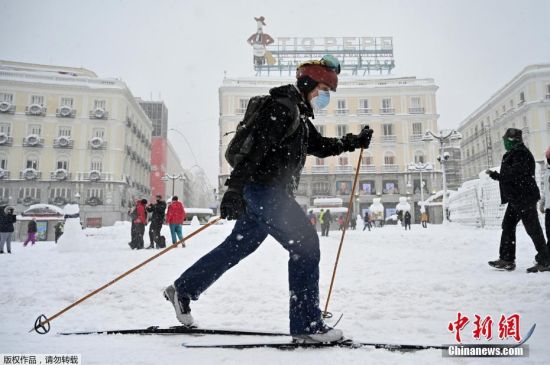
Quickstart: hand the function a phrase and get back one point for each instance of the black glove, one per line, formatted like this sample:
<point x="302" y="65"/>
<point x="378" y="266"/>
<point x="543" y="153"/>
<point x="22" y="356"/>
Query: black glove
<point x="363" y="138"/>
<point x="492" y="174"/>
<point x="232" y="205"/>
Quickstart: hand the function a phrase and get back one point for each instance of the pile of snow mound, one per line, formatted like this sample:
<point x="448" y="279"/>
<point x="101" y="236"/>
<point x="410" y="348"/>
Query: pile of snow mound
<point x="195" y="221"/>
<point x="403" y="205"/>
<point x="73" y="238"/>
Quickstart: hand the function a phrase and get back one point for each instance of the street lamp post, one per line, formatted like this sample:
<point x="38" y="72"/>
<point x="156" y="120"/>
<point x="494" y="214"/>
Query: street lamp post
<point x="167" y="177"/>
<point x="453" y="135"/>
<point x="420" y="167"/>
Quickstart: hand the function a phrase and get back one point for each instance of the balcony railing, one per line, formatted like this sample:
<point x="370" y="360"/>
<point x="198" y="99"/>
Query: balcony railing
<point x="367" y="168"/>
<point x="321" y="112"/>
<point x="60" y="175"/>
<point x="35" y="109"/>
<point x="92" y="176"/>
<point x="30" y="174"/>
<point x="319" y="169"/>
<point x="63" y="142"/>
<point x="65" y="112"/>
<point x="240" y="110"/>
<point x="4" y="174"/>
<point x="364" y="111"/>
<point x="390" y="168"/>
<point x="341" y="111"/>
<point x="344" y="169"/>
<point x="388" y="139"/>
<point x="387" y="110"/>
<point x="6" y="140"/>
<point x="415" y="138"/>
<point x="33" y="141"/>
<point x="416" y="110"/>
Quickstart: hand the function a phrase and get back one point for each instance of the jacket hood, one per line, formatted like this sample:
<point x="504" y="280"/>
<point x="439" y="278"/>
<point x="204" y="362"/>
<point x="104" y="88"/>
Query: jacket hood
<point x="291" y="91"/>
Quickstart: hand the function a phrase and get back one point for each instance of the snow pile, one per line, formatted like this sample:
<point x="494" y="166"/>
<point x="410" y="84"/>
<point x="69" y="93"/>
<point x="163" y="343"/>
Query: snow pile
<point x="392" y="286"/>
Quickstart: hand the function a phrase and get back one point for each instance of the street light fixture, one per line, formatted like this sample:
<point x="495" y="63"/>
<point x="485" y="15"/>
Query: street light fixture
<point x="167" y="177"/>
<point x="452" y="136"/>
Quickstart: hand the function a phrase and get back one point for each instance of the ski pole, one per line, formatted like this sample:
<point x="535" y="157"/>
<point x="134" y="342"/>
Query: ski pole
<point x="350" y="205"/>
<point x="42" y="323"/>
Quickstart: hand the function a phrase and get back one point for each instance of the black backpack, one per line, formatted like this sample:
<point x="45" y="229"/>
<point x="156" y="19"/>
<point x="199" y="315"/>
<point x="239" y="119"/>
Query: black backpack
<point x="242" y="143"/>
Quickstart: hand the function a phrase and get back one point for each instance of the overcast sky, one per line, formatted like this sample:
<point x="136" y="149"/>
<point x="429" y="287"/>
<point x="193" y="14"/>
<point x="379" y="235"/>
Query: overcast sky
<point x="179" y="50"/>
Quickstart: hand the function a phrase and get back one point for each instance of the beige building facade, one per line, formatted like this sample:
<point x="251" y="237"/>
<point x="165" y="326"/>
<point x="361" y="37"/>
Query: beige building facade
<point x="523" y="103"/>
<point x="68" y="136"/>
<point x="398" y="109"/>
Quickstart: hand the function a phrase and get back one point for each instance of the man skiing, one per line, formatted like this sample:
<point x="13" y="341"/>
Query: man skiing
<point x="260" y="197"/>
<point x="518" y="188"/>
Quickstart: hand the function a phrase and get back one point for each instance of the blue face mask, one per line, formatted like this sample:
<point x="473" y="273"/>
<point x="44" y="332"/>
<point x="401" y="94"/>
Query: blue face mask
<point x="321" y="100"/>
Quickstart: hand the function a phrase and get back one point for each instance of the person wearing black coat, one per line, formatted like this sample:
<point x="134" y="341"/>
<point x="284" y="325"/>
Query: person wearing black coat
<point x="519" y="189"/>
<point x="407" y="220"/>
<point x="31" y="232"/>
<point x="260" y="196"/>
<point x="157" y="219"/>
<point x="7" y="219"/>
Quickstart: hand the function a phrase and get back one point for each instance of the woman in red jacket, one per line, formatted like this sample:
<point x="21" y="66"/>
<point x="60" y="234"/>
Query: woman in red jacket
<point x="175" y="217"/>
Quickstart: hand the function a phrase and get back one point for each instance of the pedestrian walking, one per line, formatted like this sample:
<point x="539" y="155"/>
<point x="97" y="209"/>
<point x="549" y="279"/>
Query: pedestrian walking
<point x="407" y="219"/>
<point x="31" y="232"/>
<point x="519" y="189"/>
<point x="175" y="217"/>
<point x="7" y="220"/>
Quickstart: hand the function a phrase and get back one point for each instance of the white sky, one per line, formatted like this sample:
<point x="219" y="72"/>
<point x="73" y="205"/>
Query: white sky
<point x="180" y="49"/>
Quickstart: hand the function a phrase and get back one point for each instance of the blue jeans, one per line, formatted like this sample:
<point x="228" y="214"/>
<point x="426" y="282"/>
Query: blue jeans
<point x="175" y="230"/>
<point x="269" y="210"/>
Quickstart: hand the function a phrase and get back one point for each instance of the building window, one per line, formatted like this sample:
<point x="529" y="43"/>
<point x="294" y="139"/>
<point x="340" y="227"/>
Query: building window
<point x="60" y="192"/>
<point x="341" y="130"/>
<point x="5" y="128"/>
<point x="320" y="129"/>
<point x="417" y="129"/>
<point x="4" y="193"/>
<point x="32" y="163"/>
<point x="341" y="107"/>
<point x="96" y="165"/>
<point x="343" y="160"/>
<point x="6" y="97"/>
<point x="64" y="132"/>
<point x="99" y="104"/>
<point x="366" y="160"/>
<point x="320" y="188"/>
<point x="388" y="129"/>
<point x="343" y="187"/>
<point x="389" y="159"/>
<point x="29" y="192"/>
<point x="95" y="193"/>
<point x="366" y="187"/>
<point x="319" y="161"/>
<point x="419" y="157"/>
<point x="243" y="103"/>
<point x="35" y="129"/>
<point x="386" y="103"/>
<point x="3" y="164"/>
<point x="63" y="164"/>
<point x="521" y="97"/>
<point x="37" y="99"/>
<point x="98" y="132"/>
<point x="67" y="102"/>
<point x="364" y="104"/>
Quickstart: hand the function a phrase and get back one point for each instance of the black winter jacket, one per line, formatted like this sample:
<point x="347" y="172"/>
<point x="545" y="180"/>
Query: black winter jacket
<point x="6" y="220"/>
<point x="516" y="179"/>
<point x="31" y="228"/>
<point x="277" y="160"/>
<point x="158" y="210"/>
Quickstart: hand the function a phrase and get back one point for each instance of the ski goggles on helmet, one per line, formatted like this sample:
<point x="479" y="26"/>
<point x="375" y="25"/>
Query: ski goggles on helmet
<point x="328" y="61"/>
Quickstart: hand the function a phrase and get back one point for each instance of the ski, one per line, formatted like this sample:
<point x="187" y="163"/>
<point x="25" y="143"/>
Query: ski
<point x="176" y="330"/>
<point x="348" y="344"/>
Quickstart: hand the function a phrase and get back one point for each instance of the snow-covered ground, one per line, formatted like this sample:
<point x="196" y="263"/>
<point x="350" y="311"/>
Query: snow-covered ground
<point x="392" y="285"/>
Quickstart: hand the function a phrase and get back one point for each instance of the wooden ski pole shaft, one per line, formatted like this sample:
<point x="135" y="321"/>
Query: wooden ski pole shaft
<point x="350" y="206"/>
<point x="39" y="324"/>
